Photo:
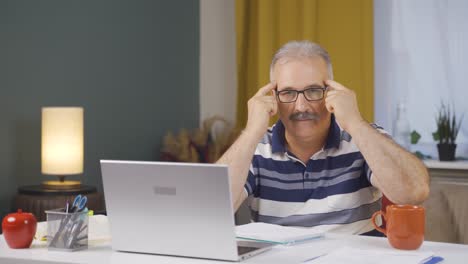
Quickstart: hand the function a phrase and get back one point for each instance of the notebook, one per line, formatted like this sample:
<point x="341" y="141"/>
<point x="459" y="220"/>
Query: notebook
<point x="277" y="234"/>
<point x="352" y="255"/>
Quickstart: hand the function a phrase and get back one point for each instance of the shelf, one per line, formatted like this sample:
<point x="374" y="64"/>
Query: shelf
<point x="447" y="165"/>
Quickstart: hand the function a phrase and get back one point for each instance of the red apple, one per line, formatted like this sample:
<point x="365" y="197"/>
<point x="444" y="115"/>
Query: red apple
<point x="19" y="229"/>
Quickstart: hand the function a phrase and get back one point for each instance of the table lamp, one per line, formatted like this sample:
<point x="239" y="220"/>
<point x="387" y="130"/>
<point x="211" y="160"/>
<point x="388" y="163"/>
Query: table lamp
<point x="62" y="145"/>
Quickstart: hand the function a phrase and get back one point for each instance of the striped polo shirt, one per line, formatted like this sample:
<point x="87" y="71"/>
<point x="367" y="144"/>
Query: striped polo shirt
<point x="330" y="193"/>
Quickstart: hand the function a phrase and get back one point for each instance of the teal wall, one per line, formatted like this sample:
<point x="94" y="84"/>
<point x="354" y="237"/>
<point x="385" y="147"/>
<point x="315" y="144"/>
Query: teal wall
<point x="132" y="65"/>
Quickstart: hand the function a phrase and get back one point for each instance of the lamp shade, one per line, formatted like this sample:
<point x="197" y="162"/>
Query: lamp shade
<point x="62" y="140"/>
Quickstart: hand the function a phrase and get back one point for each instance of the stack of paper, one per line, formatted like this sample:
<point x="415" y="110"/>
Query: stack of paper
<point x="276" y="234"/>
<point x="354" y="255"/>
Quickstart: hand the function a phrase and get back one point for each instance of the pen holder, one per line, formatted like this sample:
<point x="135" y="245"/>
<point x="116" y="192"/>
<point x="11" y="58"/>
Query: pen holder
<point x="67" y="231"/>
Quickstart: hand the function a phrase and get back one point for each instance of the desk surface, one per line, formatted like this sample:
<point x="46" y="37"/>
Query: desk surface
<point x="102" y="252"/>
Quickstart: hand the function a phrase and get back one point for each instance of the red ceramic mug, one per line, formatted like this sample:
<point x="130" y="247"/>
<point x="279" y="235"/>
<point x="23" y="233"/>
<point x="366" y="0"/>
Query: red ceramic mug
<point x="404" y="225"/>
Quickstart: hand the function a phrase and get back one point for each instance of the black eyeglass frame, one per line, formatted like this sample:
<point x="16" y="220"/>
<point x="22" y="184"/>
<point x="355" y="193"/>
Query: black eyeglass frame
<point x="323" y="89"/>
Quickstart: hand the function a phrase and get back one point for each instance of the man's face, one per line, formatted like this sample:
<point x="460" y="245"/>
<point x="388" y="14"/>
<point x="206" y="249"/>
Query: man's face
<point x="301" y="117"/>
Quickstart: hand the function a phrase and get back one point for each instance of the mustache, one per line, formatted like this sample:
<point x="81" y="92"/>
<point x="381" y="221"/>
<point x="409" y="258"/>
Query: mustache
<point x="299" y="116"/>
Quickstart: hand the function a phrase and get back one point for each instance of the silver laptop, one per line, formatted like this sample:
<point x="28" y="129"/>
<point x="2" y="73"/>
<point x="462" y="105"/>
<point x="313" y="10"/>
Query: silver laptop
<point x="179" y="209"/>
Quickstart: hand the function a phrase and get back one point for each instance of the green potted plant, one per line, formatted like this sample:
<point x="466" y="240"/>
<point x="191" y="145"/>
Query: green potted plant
<point x="447" y="131"/>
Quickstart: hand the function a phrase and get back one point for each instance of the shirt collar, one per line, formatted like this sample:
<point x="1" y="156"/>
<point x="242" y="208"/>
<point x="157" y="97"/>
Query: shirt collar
<point x="278" y="141"/>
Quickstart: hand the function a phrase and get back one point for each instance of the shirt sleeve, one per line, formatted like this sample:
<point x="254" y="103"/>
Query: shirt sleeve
<point x="368" y="171"/>
<point x="251" y="183"/>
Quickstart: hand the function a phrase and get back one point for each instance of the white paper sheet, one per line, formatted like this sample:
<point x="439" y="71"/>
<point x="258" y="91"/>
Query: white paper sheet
<point x="276" y="234"/>
<point x="351" y="255"/>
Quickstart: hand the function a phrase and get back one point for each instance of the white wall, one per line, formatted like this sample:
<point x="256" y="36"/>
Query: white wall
<point x="218" y="76"/>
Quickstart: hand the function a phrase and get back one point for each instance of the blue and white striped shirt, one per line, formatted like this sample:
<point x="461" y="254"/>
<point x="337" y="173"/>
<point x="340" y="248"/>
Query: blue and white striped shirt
<point x="331" y="192"/>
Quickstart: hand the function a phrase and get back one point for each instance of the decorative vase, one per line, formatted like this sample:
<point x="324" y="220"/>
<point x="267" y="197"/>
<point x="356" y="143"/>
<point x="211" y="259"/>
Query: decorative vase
<point x="446" y="151"/>
<point x="19" y="229"/>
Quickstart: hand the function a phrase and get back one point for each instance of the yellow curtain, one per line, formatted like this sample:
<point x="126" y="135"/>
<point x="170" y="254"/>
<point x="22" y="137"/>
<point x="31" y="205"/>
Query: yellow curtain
<point x="343" y="27"/>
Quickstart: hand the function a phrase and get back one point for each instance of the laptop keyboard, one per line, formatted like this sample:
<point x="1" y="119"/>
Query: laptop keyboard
<point x="243" y="250"/>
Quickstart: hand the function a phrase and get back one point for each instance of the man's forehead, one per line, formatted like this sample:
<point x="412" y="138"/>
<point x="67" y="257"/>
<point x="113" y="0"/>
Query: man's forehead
<point x="301" y="73"/>
<point x="300" y="85"/>
<point x="311" y="85"/>
<point x="300" y="81"/>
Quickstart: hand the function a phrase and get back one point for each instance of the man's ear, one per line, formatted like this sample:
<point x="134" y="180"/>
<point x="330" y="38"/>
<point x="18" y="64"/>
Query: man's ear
<point x="329" y="108"/>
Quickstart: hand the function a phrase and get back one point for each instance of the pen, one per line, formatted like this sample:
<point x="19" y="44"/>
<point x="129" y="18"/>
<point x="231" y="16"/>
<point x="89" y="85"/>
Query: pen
<point x="316" y="257"/>
<point x="73" y="233"/>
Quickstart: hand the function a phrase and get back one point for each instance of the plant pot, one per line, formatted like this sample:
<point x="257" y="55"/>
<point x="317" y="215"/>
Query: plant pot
<point x="446" y="151"/>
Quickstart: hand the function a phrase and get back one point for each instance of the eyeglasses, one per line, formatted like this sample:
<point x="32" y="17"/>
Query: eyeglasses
<point x="310" y="94"/>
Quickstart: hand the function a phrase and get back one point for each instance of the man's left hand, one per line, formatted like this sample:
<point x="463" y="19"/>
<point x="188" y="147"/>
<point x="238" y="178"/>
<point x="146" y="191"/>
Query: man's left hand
<point x="343" y="103"/>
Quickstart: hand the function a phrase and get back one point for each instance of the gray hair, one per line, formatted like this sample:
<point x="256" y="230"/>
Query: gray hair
<point x="301" y="50"/>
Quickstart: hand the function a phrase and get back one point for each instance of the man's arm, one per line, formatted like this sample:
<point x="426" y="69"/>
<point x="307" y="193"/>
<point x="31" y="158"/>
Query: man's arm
<point x="239" y="156"/>
<point x="401" y="176"/>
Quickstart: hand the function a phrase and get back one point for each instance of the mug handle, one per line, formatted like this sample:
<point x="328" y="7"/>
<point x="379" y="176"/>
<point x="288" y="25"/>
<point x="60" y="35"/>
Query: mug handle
<point x="381" y="230"/>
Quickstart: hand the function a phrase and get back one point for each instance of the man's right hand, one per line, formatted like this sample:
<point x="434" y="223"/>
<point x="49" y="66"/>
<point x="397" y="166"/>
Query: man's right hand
<point x="261" y="107"/>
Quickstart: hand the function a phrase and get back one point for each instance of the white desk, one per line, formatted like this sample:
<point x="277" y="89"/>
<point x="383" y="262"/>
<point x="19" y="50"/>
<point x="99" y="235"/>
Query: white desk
<point x="102" y="253"/>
